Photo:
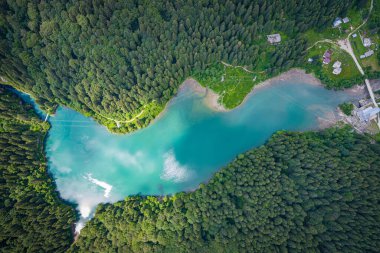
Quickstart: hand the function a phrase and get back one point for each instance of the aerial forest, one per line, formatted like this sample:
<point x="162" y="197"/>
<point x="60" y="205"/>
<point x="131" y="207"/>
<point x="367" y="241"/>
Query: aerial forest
<point x="121" y="61"/>
<point x="32" y="217"/>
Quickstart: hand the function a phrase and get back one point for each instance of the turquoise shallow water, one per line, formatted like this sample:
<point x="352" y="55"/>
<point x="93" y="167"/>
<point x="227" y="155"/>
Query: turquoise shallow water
<point x="178" y="151"/>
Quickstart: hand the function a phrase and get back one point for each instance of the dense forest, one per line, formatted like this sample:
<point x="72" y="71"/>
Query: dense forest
<point x="301" y="192"/>
<point x="115" y="60"/>
<point x="32" y="217"/>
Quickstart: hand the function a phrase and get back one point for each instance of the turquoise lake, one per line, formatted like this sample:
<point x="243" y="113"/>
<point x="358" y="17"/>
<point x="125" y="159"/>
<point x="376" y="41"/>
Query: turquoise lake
<point x="181" y="149"/>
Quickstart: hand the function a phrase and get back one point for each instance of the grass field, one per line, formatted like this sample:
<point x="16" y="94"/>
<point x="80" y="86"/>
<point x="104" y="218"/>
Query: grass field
<point x="349" y="75"/>
<point x="359" y="49"/>
<point x="231" y="83"/>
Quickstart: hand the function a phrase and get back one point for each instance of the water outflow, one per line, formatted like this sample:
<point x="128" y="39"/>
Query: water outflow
<point x="178" y="151"/>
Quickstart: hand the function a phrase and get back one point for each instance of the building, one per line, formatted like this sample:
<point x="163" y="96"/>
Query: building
<point x="337" y="71"/>
<point x="274" y="38"/>
<point x="369" y="53"/>
<point x="354" y="35"/>
<point x="327" y="56"/>
<point x="310" y="60"/>
<point x="346" y="20"/>
<point x="364" y="102"/>
<point x="367" y="42"/>
<point x="368" y="114"/>
<point x="337" y="64"/>
<point x="337" y="22"/>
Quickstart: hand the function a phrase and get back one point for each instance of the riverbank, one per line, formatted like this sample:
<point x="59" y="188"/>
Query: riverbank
<point x="210" y="97"/>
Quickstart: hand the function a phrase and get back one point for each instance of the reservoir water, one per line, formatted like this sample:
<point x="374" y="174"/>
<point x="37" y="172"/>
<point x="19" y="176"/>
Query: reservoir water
<point x="181" y="149"/>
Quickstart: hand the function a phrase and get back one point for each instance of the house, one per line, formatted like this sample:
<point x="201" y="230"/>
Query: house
<point x="354" y="35"/>
<point x="337" y="71"/>
<point x="367" y="42"/>
<point x="346" y="20"/>
<point x="337" y="68"/>
<point x="337" y="22"/>
<point x="337" y="64"/>
<point x="369" y="53"/>
<point x="368" y="114"/>
<point x="327" y="56"/>
<point x="310" y="60"/>
<point x="274" y="38"/>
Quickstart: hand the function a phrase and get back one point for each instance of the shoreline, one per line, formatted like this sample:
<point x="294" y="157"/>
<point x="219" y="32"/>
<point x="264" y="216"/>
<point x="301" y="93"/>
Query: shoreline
<point x="211" y="98"/>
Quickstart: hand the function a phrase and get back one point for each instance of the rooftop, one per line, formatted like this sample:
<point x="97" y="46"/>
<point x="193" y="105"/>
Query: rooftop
<point x="367" y="42"/>
<point x="327" y="56"/>
<point x="274" y="38"/>
<point x="337" y="22"/>
<point x="337" y="71"/>
<point x="368" y="113"/>
<point x="337" y="64"/>
<point x="369" y="53"/>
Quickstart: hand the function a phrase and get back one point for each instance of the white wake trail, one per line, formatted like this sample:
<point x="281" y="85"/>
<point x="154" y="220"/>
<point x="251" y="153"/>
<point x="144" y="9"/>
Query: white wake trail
<point x="107" y="187"/>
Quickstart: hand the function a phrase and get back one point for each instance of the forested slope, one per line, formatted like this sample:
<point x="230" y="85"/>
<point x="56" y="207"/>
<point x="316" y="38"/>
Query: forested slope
<point x="32" y="218"/>
<point x="117" y="59"/>
<point x="301" y="192"/>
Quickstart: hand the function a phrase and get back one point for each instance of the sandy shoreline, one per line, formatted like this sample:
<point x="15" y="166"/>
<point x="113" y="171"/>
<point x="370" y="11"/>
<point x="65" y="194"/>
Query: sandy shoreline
<point x="210" y="97"/>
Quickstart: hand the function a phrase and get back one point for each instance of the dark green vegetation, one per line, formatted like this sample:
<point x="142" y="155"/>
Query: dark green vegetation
<point x="115" y="60"/>
<point x="32" y="217"/>
<point x="374" y="21"/>
<point x="346" y="108"/>
<point x="301" y="192"/>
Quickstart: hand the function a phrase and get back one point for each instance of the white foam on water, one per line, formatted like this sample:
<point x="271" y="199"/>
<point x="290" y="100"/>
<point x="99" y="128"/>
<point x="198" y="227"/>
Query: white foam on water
<point x="173" y="170"/>
<point x="107" y="187"/>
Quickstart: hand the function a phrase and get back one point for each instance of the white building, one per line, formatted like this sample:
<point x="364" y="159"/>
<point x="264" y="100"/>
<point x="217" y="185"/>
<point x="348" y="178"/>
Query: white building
<point x="274" y="38"/>
<point x="337" y="22"/>
<point x="354" y="35"/>
<point x="337" y="64"/>
<point x="367" y="42"/>
<point x="337" y="71"/>
<point x="346" y="20"/>
<point x="368" y="114"/>
<point x="369" y="53"/>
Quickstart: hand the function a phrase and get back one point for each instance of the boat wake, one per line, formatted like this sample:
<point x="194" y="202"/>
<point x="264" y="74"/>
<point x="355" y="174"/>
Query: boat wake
<point x="107" y="188"/>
